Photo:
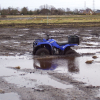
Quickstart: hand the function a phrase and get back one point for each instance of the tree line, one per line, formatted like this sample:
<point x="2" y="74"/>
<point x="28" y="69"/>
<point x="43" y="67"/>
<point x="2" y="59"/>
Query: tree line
<point x="43" y="10"/>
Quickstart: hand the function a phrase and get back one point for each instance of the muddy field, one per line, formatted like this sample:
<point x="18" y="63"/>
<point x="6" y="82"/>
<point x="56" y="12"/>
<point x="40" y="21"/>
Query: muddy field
<point x="27" y="77"/>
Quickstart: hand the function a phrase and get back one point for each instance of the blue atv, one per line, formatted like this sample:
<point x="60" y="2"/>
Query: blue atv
<point x="50" y="46"/>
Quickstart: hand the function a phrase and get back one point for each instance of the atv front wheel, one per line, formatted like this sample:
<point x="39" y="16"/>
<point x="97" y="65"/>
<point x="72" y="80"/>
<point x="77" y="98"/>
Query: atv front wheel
<point x="42" y="52"/>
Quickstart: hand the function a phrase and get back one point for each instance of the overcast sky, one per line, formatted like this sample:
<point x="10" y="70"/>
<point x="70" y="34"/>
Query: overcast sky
<point x="32" y="4"/>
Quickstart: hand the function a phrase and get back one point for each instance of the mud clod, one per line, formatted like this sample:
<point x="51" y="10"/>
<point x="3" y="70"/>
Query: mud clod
<point x="94" y="57"/>
<point x="18" y="67"/>
<point x="89" y="61"/>
<point x="1" y="91"/>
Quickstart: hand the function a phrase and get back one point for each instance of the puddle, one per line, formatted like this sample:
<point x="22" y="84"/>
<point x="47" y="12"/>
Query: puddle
<point x="21" y="35"/>
<point x="70" y="30"/>
<point x="9" y="96"/>
<point x="92" y="43"/>
<point x="87" y="72"/>
<point x="11" y="61"/>
<point x="16" y="42"/>
<point x="55" y="31"/>
<point x="26" y="79"/>
<point x="86" y="38"/>
<point x="75" y="67"/>
<point x="86" y="50"/>
<point x="14" y="61"/>
<point x="4" y="42"/>
<point x="98" y="94"/>
<point x="40" y="34"/>
<point x="25" y="29"/>
<point x="55" y="36"/>
<point x="14" y="37"/>
<point x="45" y="64"/>
<point x="88" y="30"/>
<point x="56" y="64"/>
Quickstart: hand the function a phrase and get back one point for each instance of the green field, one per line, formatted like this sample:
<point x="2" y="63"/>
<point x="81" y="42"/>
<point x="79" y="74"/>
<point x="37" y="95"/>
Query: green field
<point x="51" y="20"/>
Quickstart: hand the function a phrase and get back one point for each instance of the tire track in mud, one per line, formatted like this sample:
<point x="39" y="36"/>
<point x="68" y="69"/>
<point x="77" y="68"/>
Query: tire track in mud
<point x="80" y="87"/>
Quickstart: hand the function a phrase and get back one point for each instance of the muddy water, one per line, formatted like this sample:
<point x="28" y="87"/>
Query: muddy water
<point x="38" y="68"/>
<point x="9" y="96"/>
<point x="75" y="67"/>
<point x="16" y="51"/>
<point x="27" y="78"/>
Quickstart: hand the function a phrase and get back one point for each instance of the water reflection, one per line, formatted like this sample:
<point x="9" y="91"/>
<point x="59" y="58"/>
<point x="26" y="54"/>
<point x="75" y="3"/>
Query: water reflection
<point x="72" y="65"/>
<point x="45" y="64"/>
<point x="66" y="63"/>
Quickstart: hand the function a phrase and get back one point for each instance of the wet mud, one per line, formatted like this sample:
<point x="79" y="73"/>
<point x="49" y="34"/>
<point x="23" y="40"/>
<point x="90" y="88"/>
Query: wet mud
<point x="24" y="76"/>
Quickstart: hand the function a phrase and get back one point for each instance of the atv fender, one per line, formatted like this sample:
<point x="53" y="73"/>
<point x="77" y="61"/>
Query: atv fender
<point x="68" y="45"/>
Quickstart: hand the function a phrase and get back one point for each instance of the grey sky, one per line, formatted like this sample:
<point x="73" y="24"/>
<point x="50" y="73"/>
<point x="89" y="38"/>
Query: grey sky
<point x="32" y="4"/>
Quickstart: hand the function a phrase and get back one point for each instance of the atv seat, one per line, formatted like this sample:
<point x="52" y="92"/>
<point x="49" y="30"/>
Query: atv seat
<point x="61" y="44"/>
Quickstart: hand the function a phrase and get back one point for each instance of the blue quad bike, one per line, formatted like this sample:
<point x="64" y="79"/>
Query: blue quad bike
<point x="50" y="46"/>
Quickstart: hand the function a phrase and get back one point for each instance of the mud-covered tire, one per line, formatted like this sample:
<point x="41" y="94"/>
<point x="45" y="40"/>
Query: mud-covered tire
<point x="70" y="52"/>
<point x="42" y="52"/>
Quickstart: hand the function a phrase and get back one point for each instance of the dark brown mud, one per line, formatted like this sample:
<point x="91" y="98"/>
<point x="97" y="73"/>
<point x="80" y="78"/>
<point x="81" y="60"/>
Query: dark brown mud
<point x="20" y="40"/>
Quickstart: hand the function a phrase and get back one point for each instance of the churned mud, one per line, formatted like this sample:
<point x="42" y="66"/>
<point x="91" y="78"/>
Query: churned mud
<point x="24" y="76"/>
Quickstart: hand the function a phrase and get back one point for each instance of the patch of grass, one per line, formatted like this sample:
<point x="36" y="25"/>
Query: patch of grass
<point x="51" y="20"/>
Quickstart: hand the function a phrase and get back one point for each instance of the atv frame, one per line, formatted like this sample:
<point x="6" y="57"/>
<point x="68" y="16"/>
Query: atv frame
<point x="50" y="46"/>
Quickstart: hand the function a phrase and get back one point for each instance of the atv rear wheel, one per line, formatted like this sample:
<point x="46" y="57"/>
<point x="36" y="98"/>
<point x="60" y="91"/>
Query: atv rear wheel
<point x="42" y="52"/>
<point x="70" y="51"/>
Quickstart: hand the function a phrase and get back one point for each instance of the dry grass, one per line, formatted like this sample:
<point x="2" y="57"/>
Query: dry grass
<point x="51" y="19"/>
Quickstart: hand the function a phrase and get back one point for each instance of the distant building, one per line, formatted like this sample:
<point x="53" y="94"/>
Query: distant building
<point x="81" y="11"/>
<point x="97" y="12"/>
<point x="86" y="12"/>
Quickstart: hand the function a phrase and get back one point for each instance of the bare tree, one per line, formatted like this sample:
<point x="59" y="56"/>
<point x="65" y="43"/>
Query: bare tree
<point x="75" y="11"/>
<point x="4" y="12"/>
<point x="24" y="11"/>
<point x="52" y="10"/>
<point x="67" y="9"/>
<point x="60" y="11"/>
